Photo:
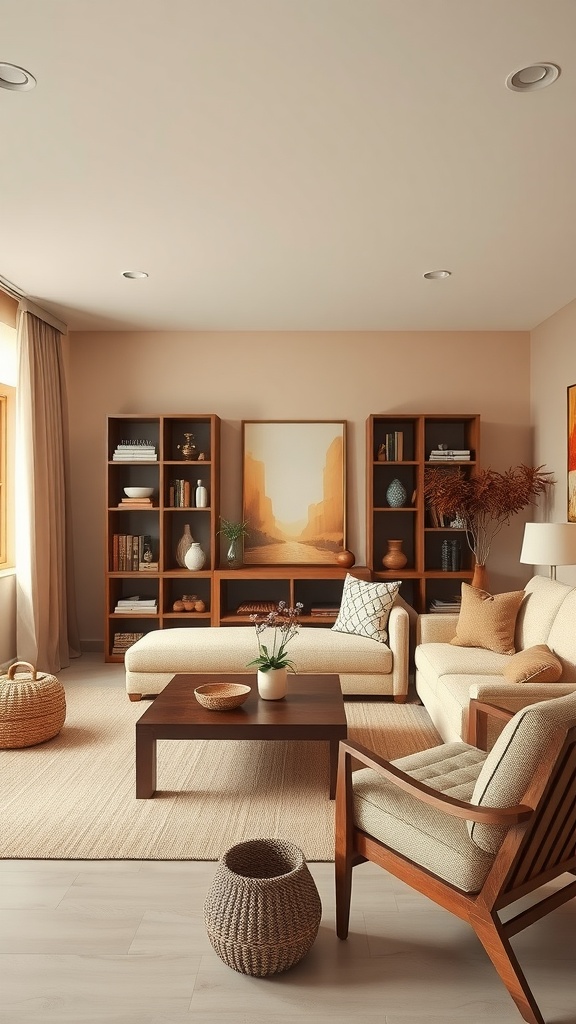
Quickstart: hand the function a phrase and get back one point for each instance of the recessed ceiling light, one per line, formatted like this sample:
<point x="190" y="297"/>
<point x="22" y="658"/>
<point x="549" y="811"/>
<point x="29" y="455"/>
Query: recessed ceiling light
<point x="535" y="76"/>
<point x="437" y="275"/>
<point x="133" y="274"/>
<point x="15" y="78"/>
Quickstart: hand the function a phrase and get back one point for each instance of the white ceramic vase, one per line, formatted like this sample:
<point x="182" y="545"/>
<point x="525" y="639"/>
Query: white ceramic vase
<point x="272" y="685"/>
<point x="194" y="558"/>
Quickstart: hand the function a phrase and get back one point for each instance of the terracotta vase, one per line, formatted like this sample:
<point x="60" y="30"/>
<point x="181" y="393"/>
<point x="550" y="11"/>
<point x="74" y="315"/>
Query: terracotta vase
<point x="346" y="559"/>
<point x="480" y="577"/>
<point x="394" y="557"/>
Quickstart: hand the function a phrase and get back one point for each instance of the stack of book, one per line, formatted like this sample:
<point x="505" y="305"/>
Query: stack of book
<point x="450" y="455"/>
<point x="392" y="450"/>
<point x="122" y="641"/>
<point x="139" y="605"/>
<point x="324" y="611"/>
<point x="448" y="607"/>
<point x="179" y="494"/>
<point x="133" y="451"/>
<point x="132" y="553"/>
<point x="136" y="503"/>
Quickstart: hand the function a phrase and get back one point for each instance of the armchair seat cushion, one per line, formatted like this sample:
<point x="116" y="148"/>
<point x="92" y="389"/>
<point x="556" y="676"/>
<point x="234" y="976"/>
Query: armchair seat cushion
<point x="440" y="842"/>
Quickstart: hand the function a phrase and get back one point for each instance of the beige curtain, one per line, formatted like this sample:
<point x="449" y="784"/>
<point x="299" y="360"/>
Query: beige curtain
<point x="46" y="631"/>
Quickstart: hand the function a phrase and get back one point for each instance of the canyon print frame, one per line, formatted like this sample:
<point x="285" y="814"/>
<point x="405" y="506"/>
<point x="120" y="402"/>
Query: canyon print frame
<point x="294" y="491"/>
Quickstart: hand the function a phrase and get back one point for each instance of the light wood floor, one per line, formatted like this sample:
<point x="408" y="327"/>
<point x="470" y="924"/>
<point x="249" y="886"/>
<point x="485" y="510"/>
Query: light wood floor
<point x="124" y="941"/>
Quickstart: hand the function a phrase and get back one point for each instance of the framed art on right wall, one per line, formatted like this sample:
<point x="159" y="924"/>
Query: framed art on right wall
<point x="572" y="453"/>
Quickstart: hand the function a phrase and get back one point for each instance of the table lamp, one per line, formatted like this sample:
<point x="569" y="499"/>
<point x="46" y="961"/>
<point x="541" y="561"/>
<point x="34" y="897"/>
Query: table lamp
<point x="549" y="544"/>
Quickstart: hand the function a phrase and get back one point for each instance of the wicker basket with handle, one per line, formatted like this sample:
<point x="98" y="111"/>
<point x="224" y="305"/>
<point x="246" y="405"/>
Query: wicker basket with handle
<point x="262" y="911"/>
<point x="32" y="706"/>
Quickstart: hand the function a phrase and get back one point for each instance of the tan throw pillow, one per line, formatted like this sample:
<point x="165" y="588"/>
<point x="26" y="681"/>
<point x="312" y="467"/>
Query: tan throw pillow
<point x="534" y="665"/>
<point x="487" y="620"/>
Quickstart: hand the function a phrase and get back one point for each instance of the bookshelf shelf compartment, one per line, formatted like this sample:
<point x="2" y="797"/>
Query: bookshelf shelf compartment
<point x="424" y="579"/>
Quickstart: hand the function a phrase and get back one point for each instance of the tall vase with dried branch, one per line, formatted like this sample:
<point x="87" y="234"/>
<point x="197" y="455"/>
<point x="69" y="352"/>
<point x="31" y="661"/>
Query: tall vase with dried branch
<point x="485" y="503"/>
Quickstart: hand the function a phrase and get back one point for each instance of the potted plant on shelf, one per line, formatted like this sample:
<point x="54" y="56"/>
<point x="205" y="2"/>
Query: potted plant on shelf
<point x="273" y="661"/>
<point x="483" y="504"/>
<point x="234" y="533"/>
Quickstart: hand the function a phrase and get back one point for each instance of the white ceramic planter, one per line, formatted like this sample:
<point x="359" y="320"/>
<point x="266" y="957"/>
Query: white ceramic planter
<point x="272" y="685"/>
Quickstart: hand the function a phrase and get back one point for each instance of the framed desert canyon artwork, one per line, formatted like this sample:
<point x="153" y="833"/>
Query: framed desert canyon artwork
<point x="294" y="491"/>
<point x="572" y="454"/>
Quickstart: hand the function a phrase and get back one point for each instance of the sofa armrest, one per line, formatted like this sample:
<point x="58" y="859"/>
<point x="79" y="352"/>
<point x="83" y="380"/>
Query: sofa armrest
<point x="398" y="642"/>
<point x="515" y="696"/>
<point x="436" y="628"/>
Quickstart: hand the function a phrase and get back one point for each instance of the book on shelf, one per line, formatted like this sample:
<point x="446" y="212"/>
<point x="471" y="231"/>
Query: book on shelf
<point x="148" y="566"/>
<point x="392" y="448"/>
<point x="130" y="551"/>
<point x="450" y="455"/>
<point x="448" y="607"/>
<point x="136" y="503"/>
<point x="138" y="608"/>
<point x="320" y="610"/>
<point x="180" y="494"/>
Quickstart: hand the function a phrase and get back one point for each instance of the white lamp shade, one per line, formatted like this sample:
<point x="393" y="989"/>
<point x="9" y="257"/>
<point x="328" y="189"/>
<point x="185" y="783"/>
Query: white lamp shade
<point x="549" y="544"/>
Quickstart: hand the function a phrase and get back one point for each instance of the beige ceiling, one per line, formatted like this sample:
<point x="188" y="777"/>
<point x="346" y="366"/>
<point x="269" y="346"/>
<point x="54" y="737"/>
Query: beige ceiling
<point x="289" y="164"/>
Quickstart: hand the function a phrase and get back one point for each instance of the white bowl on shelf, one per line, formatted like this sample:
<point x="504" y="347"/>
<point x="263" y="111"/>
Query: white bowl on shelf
<point x="138" y="492"/>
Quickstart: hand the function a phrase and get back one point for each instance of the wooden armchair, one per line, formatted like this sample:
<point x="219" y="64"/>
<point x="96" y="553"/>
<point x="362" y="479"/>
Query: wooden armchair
<point x="474" y="831"/>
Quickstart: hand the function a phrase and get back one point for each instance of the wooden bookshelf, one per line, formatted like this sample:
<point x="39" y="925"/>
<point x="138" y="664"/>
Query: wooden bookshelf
<point x="414" y="438"/>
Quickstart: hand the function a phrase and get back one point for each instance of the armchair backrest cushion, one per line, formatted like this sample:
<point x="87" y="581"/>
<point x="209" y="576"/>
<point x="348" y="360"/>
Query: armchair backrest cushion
<point x="510" y="765"/>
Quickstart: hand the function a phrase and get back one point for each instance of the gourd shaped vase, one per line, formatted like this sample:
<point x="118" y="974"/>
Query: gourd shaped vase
<point x="183" y="544"/>
<point x="394" y="557"/>
<point x="194" y="558"/>
<point x="396" y="494"/>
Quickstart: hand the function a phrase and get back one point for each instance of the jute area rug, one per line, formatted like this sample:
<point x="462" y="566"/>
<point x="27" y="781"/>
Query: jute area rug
<point x="74" y="797"/>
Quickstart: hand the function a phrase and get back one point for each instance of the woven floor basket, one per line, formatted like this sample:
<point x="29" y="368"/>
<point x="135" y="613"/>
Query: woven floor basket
<point x="262" y="911"/>
<point x="32" y="707"/>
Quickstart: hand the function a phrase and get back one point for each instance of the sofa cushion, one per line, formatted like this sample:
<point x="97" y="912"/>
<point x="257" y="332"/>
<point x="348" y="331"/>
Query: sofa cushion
<point x="542" y="602"/>
<point x="365" y="608"/>
<point x="414" y="829"/>
<point x="230" y="648"/>
<point x="562" y="637"/>
<point x="487" y="620"/>
<point x="447" y="659"/>
<point x="510" y="765"/>
<point x="534" y="665"/>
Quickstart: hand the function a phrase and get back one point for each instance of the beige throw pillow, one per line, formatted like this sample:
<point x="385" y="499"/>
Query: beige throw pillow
<point x="487" y="620"/>
<point x="534" y="665"/>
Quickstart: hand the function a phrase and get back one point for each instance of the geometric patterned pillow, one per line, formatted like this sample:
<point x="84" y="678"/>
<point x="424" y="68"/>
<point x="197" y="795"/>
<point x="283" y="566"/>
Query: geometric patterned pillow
<point x="365" y="608"/>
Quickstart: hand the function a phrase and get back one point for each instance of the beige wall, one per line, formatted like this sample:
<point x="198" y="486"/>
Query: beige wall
<point x="289" y="376"/>
<point x="553" y="366"/>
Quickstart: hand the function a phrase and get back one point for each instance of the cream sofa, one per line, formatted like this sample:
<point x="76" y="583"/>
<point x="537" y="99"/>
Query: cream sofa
<point x="365" y="666"/>
<point x="448" y="676"/>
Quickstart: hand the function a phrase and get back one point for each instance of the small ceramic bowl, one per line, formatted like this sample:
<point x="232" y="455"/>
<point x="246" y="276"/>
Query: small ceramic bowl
<point x="221" y="696"/>
<point x="138" y="492"/>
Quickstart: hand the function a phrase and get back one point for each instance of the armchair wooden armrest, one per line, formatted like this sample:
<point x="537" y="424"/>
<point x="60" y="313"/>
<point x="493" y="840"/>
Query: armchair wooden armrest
<point x="458" y="808"/>
<point x="478" y="714"/>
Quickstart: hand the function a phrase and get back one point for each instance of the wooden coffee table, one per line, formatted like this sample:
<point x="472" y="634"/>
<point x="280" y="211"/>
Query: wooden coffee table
<point x="313" y="709"/>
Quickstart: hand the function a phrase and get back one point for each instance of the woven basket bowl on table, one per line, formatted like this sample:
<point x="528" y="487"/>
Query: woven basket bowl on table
<point x="262" y="911"/>
<point x="221" y="696"/>
<point x="32" y="707"/>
